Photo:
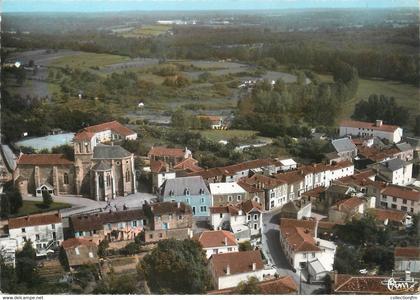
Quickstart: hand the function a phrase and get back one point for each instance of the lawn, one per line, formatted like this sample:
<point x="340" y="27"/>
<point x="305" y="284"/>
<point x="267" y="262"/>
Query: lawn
<point x="217" y="135"/>
<point x="33" y="207"/>
<point x="405" y="94"/>
<point x="88" y="60"/>
<point x="147" y="30"/>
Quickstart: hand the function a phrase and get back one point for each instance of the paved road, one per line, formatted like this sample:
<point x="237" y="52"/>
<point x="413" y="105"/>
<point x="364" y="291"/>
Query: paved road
<point x="273" y="252"/>
<point x="81" y="204"/>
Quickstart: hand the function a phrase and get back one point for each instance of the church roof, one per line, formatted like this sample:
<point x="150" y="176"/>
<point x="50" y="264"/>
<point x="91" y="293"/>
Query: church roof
<point x="109" y="152"/>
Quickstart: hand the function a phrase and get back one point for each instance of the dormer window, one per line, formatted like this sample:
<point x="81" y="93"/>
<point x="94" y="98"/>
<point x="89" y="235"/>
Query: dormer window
<point x="187" y="192"/>
<point x="201" y="191"/>
<point x="171" y="193"/>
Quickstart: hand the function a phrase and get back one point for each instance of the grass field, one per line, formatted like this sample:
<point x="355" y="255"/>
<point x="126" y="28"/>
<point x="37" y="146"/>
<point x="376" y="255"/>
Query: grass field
<point x="88" y="60"/>
<point x="217" y="135"/>
<point x="33" y="207"/>
<point x="405" y="94"/>
<point x="148" y="30"/>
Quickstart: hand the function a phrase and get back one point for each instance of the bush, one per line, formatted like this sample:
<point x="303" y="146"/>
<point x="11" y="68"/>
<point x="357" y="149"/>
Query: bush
<point x="47" y="199"/>
<point x="130" y="249"/>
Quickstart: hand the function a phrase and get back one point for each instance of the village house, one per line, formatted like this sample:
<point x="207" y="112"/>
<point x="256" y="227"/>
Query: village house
<point x="113" y="225"/>
<point x="234" y="173"/>
<point x="400" y="198"/>
<point x="407" y="259"/>
<point x="391" y="218"/>
<point x="395" y="171"/>
<point x="406" y="151"/>
<point x="244" y="219"/>
<point x="45" y="230"/>
<point x="167" y="220"/>
<point x="304" y="250"/>
<point x="160" y="171"/>
<point x="101" y="172"/>
<point x="347" y="209"/>
<point x="366" y="129"/>
<point x="224" y="193"/>
<point x="275" y="190"/>
<point x="345" y="148"/>
<point x="229" y="269"/>
<point x="287" y="164"/>
<point x="295" y="182"/>
<point x="189" y="190"/>
<point x="80" y="252"/>
<point x="278" y="286"/>
<point x="316" y="197"/>
<point x="344" y="284"/>
<point x="217" y="242"/>
<point x="297" y="209"/>
<point x="215" y="122"/>
<point x="172" y="156"/>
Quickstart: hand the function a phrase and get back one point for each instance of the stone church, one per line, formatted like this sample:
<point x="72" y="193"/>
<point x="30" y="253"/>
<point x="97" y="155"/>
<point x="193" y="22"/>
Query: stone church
<point x="100" y="170"/>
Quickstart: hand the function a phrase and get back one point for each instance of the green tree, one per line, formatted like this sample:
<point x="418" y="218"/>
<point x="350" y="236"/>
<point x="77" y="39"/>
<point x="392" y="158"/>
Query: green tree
<point x="347" y="260"/>
<point x="249" y="287"/>
<point x="180" y="119"/>
<point x="26" y="266"/>
<point x="417" y="126"/>
<point x="102" y="248"/>
<point x="47" y="199"/>
<point x="177" y="267"/>
<point x="245" y="246"/>
<point x="8" y="278"/>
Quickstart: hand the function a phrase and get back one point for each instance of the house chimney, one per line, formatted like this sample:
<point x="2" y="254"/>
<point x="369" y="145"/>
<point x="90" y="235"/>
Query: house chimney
<point x="227" y="270"/>
<point x="178" y="204"/>
<point x="254" y="266"/>
<point x="316" y="229"/>
<point x="226" y="241"/>
<point x="378" y="123"/>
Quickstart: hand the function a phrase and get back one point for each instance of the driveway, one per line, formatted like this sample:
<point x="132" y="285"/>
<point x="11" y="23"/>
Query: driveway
<point x="82" y="205"/>
<point x="274" y="253"/>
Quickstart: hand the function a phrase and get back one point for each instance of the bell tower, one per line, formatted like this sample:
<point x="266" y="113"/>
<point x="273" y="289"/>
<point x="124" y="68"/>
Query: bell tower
<point x="83" y="153"/>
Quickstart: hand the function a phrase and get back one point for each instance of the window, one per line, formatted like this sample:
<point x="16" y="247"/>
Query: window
<point x="255" y="226"/>
<point x="66" y="178"/>
<point x="404" y="208"/>
<point x="249" y="217"/>
<point x="53" y="226"/>
<point x="23" y="230"/>
<point x="108" y="180"/>
<point x="394" y="199"/>
<point x="201" y="191"/>
<point x="202" y="200"/>
<point x="160" y="235"/>
<point x="24" y="239"/>
<point x="220" y="215"/>
<point x="37" y="237"/>
<point x="404" y="201"/>
<point x="230" y="249"/>
<point x="109" y="226"/>
<point x="180" y="217"/>
<point x="238" y="197"/>
<point x="86" y="148"/>
<point x="255" y="217"/>
<point x="127" y="176"/>
<point x="394" y="206"/>
<point x="203" y="208"/>
<point x="151" y="236"/>
<point x="313" y="254"/>
<point x="187" y="192"/>
<point x="272" y="195"/>
<point x="229" y="198"/>
<point x="134" y="223"/>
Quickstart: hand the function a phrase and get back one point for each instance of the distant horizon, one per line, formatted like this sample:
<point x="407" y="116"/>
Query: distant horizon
<point x="109" y="6"/>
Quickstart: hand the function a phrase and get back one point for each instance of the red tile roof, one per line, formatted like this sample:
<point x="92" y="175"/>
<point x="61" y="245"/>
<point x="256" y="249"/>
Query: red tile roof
<point x="348" y="284"/>
<point x="291" y="177"/>
<point x="35" y="220"/>
<point x="279" y="286"/>
<point x="88" y="132"/>
<point x="75" y="242"/>
<point x="360" y="124"/>
<point x="314" y="192"/>
<point x="232" y="210"/>
<point x="215" y="120"/>
<point x="157" y="166"/>
<point x="388" y="214"/>
<point x="376" y="154"/>
<point x="168" y="152"/>
<point x="238" y="262"/>
<point x="407" y="252"/>
<point x="401" y="192"/>
<point x="43" y="159"/>
<point x="299" y="234"/>
<point x="249" y="205"/>
<point x="263" y="182"/>
<point x="349" y="204"/>
<point x="188" y="164"/>
<point x="213" y="239"/>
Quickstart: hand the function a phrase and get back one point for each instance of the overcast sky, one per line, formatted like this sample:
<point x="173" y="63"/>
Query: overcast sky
<point x="126" y="5"/>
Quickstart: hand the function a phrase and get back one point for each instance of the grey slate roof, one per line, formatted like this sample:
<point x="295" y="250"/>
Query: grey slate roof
<point x="343" y="145"/>
<point x="9" y="157"/>
<point x="180" y="184"/>
<point x="404" y="147"/>
<point x="108" y="152"/>
<point x="393" y="164"/>
<point x="102" y="166"/>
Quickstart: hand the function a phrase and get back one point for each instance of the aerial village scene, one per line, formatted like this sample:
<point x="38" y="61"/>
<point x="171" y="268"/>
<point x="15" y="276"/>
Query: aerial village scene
<point x="210" y="147"/>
